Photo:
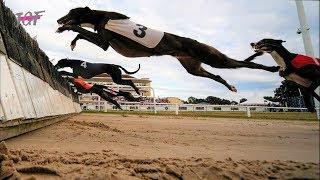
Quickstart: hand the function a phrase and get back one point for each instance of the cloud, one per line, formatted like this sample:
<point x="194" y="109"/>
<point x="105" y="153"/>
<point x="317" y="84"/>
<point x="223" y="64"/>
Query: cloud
<point x="229" y="26"/>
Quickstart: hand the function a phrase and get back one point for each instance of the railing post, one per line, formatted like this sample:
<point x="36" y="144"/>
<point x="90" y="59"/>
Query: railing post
<point x="99" y="103"/>
<point x="177" y="109"/>
<point x="248" y="111"/>
<point x="154" y="100"/>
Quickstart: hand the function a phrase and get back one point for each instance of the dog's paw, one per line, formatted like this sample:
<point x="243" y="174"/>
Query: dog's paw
<point x="72" y="46"/>
<point x="274" y="68"/>
<point x="63" y="28"/>
<point x="59" y="30"/>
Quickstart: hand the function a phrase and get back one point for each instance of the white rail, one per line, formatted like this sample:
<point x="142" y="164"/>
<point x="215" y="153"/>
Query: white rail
<point x="157" y="107"/>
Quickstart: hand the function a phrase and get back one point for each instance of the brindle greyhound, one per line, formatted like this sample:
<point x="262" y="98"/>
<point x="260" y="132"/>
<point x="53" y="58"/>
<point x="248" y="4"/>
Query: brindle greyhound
<point x="88" y="70"/>
<point x="303" y="70"/>
<point x="189" y="52"/>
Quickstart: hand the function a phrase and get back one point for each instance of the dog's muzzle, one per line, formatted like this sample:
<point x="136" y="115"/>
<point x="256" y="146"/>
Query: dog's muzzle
<point x="254" y="47"/>
<point x="65" y="20"/>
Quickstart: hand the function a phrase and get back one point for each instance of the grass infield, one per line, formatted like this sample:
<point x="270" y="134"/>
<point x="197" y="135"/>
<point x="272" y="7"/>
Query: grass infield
<point x="304" y="116"/>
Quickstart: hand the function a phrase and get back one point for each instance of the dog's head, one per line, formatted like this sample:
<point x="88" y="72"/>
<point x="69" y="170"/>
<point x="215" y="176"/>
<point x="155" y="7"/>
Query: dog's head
<point x="266" y="45"/>
<point x="75" y="16"/>
<point x="62" y="63"/>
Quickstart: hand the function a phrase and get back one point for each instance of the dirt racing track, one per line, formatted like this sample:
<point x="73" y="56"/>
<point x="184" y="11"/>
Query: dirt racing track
<point x="102" y="146"/>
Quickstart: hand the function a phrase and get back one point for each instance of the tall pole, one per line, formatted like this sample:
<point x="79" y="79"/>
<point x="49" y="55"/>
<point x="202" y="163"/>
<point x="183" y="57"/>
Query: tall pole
<point x="306" y="41"/>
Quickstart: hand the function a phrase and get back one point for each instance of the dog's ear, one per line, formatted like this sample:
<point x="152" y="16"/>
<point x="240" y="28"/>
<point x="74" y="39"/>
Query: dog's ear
<point x="279" y="41"/>
<point x="87" y="8"/>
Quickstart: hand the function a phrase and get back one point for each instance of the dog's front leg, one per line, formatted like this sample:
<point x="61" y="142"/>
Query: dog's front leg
<point x="84" y="34"/>
<point x="94" y="39"/>
<point x="65" y="28"/>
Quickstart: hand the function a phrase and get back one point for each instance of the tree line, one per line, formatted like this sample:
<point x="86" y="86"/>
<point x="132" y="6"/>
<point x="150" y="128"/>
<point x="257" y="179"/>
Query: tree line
<point x="281" y="95"/>
<point x="214" y="100"/>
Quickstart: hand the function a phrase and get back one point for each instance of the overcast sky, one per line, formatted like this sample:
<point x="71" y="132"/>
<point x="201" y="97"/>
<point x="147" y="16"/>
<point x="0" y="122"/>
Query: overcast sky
<point x="227" y="25"/>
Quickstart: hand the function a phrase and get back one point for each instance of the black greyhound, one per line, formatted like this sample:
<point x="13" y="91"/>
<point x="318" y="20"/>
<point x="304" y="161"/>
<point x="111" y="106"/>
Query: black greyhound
<point x="88" y="70"/>
<point x="189" y="52"/>
<point x="301" y="69"/>
<point x="103" y="91"/>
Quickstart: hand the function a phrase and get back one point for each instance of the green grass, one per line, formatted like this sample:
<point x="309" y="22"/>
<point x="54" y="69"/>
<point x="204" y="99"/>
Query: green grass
<point x="305" y="116"/>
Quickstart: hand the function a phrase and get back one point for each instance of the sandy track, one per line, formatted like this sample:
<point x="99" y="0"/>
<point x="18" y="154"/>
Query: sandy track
<point x="134" y="147"/>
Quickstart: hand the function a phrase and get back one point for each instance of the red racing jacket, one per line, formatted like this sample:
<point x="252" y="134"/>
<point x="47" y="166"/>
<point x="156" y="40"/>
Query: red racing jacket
<point x="302" y="60"/>
<point x="82" y="86"/>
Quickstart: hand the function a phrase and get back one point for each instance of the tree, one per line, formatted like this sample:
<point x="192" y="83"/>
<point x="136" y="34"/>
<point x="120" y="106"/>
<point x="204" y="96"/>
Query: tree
<point x="269" y="98"/>
<point x="210" y="100"/>
<point x="285" y="90"/>
<point x="191" y="100"/>
<point x="243" y="100"/>
<point x="234" y="103"/>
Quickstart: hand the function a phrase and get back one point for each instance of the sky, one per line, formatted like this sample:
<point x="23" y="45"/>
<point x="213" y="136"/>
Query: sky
<point x="227" y="25"/>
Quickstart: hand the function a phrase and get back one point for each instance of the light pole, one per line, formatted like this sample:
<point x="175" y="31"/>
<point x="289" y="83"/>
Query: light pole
<point x="304" y="30"/>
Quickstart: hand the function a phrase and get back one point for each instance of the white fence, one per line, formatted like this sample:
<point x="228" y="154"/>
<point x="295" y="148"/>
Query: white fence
<point x="156" y="107"/>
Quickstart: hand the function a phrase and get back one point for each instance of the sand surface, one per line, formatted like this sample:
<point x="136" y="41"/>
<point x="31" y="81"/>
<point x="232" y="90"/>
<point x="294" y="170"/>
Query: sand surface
<point x="97" y="146"/>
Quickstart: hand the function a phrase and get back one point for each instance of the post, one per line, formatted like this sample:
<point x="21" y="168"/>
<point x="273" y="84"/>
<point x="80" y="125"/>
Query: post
<point x="154" y="99"/>
<point x="248" y="111"/>
<point x="177" y="109"/>
<point x="105" y="106"/>
<point x="307" y="42"/>
<point x="99" y="103"/>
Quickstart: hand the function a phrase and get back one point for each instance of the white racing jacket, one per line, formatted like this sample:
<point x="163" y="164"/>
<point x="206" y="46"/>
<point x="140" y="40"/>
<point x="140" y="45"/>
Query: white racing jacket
<point x="145" y="36"/>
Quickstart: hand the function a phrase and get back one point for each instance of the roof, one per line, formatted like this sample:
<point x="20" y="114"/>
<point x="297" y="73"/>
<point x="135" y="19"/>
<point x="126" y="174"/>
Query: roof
<point x="107" y="77"/>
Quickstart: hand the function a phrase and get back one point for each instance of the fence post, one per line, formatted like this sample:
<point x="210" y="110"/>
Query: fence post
<point x="248" y="111"/>
<point x="177" y="109"/>
<point x="99" y="103"/>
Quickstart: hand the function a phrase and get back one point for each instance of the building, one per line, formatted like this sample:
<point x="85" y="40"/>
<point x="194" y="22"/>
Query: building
<point x="105" y="79"/>
<point x="143" y="84"/>
<point x="174" y="100"/>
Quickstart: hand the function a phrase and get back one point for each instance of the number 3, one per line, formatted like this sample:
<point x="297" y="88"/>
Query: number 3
<point x="141" y="32"/>
<point x="84" y="64"/>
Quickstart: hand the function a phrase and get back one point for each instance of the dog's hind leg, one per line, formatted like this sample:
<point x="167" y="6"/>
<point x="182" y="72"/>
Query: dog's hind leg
<point x="307" y="99"/>
<point x="214" y="58"/>
<point x="111" y="100"/>
<point x="194" y="67"/>
<point x="104" y="95"/>
<point x="231" y="63"/>
<point x="117" y="78"/>
<point x="128" y="96"/>
<point x="315" y="95"/>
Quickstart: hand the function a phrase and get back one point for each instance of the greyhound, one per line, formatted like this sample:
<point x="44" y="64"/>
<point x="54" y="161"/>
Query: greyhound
<point x="135" y="40"/>
<point x="88" y="70"/>
<point x="103" y="91"/>
<point x="303" y="70"/>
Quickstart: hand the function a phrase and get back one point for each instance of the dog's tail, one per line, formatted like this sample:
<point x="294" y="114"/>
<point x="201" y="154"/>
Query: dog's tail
<point x="128" y="72"/>
<point x="253" y="56"/>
